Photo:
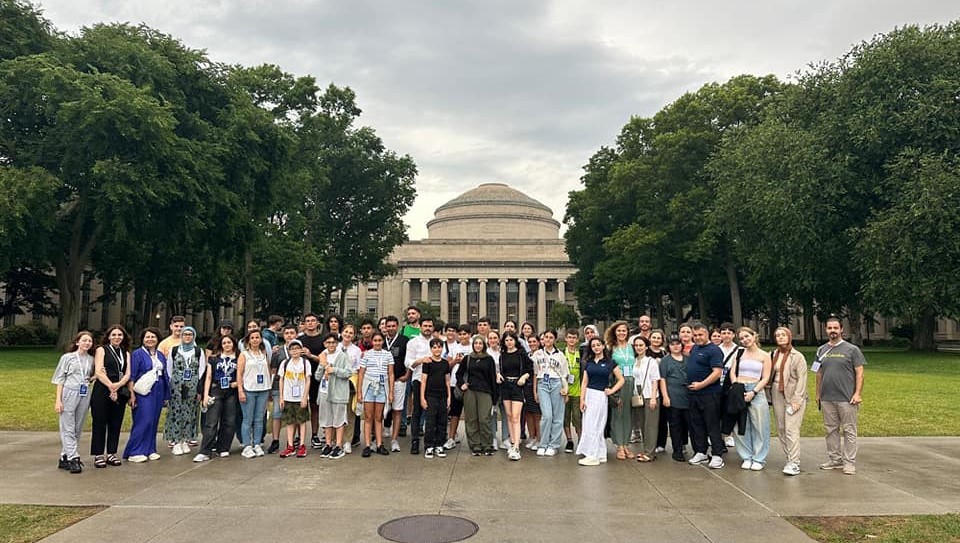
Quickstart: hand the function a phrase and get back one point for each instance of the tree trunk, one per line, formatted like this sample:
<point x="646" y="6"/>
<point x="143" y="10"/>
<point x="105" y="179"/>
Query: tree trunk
<point x="702" y="305"/>
<point x="735" y="301"/>
<point x="308" y="291"/>
<point x="69" y="282"/>
<point x="342" y="302"/>
<point x="677" y="307"/>
<point x="923" y="334"/>
<point x="809" y="327"/>
<point x="248" y="299"/>
<point x="856" y="329"/>
<point x="772" y="324"/>
<point x="325" y="302"/>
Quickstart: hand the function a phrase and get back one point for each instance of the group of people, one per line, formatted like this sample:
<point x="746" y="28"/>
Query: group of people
<point x="365" y="386"/>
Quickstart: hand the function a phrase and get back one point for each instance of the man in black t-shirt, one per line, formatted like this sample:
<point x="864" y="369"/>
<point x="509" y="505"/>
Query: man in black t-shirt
<point x="312" y="341"/>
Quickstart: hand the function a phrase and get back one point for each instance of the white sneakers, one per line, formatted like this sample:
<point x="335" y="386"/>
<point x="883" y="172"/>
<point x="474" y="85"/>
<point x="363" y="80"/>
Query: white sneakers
<point x="138" y="459"/>
<point x="541" y="451"/>
<point x="791" y="469"/>
<point x="532" y="444"/>
<point x="258" y="450"/>
<point x="550" y="452"/>
<point x="154" y="456"/>
<point x="450" y="444"/>
<point x="224" y="454"/>
<point x="185" y="447"/>
<point x="728" y="441"/>
<point x="177" y="449"/>
<point x="589" y="461"/>
<point x="394" y="446"/>
<point x="513" y="453"/>
<point x="505" y="445"/>
<point x="201" y="458"/>
<point x="698" y="458"/>
<point x="756" y="466"/>
<point x="746" y="464"/>
<point x="248" y="452"/>
<point x="716" y="462"/>
<point x="347" y="448"/>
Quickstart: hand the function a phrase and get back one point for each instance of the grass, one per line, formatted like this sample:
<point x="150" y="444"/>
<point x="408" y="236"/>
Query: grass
<point x="28" y="523"/>
<point x="900" y="529"/>
<point x="905" y="393"/>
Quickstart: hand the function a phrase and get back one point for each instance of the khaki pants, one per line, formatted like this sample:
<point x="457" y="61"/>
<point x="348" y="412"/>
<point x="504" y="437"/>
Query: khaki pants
<point x="648" y="422"/>
<point x="788" y="426"/>
<point x="476" y="419"/>
<point x="841" y="417"/>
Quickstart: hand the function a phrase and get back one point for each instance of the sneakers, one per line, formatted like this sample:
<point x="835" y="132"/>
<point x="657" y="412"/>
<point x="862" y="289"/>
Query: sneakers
<point x="258" y="450"/>
<point x="347" y="448"/>
<point x="76" y="466"/>
<point x="756" y="466"/>
<point x="302" y="451"/>
<point x="177" y="450"/>
<point x="489" y="452"/>
<point x="154" y="456"/>
<point x="728" y="441"/>
<point x="476" y="452"/>
<point x="439" y="452"/>
<point x="847" y="470"/>
<point x="382" y="451"/>
<point x="569" y="447"/>
<point x="513" y="453"/>
<point x="315" y="442"/>
<point x="64" y="463"/>
<point x="698" y="458"/>
<point x="791" y="469"/>
<point x="395" y="446"/>
<point x="224" y="454"/>
<point x="533" y="445"/>
<point x="450" y="444"/>
<point x="192" y="442"/>
<point x="367" y="451"/>
<point x="326" y="451"/>
<point x="415" y="446"/>
<point x="185" y="447"/>
<point x="201" y="458"/>
<point x="428" y="453"/>
<point x="505" y="445"/>
<point x="289" y="451"/>
<point x="550" y="452"/>
<point x="138" y="459"/>
<point x="716" y="462"/>
<point x="336" y="453"/>
<point x="659" y="450"/>
<point x="248" y="452"/>
<point x="402" y="432"/>
<point x="634" y="438"/>
<point x="541" y="451"/>
<point x="495" y="443"/>
<point x="832" y="464"/>
<point x="589" y="461"/>
<point x="274" y="446"/>
<point x="678" y="456"/>
<point x="746" y="464"/>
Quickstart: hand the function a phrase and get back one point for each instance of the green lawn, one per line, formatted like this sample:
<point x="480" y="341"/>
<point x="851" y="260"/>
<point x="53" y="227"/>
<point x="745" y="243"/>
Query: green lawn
<point x="903" y="529"/>
<point x="906" y="393"/>
<point x="28" y="523"/>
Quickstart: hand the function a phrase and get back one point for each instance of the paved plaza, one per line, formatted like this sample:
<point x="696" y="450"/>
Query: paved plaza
<point x="534" y="500"/>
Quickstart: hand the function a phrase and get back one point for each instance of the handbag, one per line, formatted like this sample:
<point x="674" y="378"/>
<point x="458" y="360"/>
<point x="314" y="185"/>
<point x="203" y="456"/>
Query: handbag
<point x="637" y="399"/>
<point x="457" y="391"/>
<point x="145" y="383"/>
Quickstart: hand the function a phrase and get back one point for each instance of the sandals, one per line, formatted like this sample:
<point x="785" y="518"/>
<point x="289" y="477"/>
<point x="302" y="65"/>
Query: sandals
<point x="621" y="455"/>
<point x="628" y="454"/>
<point x="99" y="461"/>
<point x="644" y="457"/>
<point x="112" y="460"/>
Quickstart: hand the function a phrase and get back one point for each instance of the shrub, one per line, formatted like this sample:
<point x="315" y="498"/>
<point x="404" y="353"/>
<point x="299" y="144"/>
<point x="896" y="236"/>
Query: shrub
<point x="32" y="333"/>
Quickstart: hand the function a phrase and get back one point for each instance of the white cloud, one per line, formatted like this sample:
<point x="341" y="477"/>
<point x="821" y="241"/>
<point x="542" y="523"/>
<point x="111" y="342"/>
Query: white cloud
<point x="516" y="92"/>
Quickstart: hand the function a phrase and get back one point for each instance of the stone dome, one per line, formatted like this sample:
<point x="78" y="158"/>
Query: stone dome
<point x="493" y="211"/>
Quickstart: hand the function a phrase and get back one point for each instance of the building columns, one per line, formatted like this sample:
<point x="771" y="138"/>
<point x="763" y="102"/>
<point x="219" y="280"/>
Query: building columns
<point x="541" y="304"/>
<point x="521" y="303"/>
<point x="463" y="301"/>
<point x="444" y="301"/>
<point x="362" y="298"/>
<point x="405" y="294"/>
<point x="562" y="291"/>
<point x="502" y="313"/>
<point x="482" y="306"/>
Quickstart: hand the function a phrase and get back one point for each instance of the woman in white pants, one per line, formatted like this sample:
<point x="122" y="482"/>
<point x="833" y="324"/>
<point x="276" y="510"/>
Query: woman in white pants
<point x="789" y="391"/>
<point x="595" y="390"/>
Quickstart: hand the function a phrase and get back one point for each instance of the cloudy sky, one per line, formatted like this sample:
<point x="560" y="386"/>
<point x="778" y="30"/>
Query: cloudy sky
<point x="518" y="92"/>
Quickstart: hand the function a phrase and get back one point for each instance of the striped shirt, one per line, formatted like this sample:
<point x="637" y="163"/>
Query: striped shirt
<point x="376" y="364"/>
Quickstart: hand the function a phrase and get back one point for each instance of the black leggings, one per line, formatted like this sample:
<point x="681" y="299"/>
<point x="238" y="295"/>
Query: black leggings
<point x="107" y="419"/>
<point x="436" y="415"/>
<point x="218" y="428"/>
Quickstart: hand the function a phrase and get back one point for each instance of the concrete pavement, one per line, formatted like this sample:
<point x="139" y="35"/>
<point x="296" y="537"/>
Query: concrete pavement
<point x="534" y="500"/>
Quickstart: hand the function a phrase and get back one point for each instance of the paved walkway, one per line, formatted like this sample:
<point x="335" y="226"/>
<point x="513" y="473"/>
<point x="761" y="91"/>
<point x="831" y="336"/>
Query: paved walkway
<point x="534" y="500"/>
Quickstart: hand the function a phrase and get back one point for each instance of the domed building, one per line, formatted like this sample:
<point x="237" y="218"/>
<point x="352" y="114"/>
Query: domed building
<point x="491" y="252"/>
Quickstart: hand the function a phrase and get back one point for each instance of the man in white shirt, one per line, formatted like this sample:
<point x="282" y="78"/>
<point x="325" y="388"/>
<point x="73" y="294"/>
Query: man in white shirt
<point x="418" y="349"/>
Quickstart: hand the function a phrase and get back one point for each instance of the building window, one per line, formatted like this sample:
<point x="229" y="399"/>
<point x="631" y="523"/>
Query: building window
<point x="453" y="301"/>
<point x="513" y="300"/>
<point x="492" y="305"/>
<point x="473" y="301"/>
<point x="531" y="315"/>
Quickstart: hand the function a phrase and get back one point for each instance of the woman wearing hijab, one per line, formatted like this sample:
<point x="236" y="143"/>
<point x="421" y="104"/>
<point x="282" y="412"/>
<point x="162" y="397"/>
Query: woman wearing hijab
<point x="147" y="404"/>
<point x="477" y="378"/>
<point x="187" y="364"/>
<point x="789" y="391"/>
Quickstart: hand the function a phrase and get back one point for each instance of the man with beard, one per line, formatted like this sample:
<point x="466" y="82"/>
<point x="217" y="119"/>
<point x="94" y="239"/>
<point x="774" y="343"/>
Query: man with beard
<point x="418" y="349"/>
<point x="839" y="369"/>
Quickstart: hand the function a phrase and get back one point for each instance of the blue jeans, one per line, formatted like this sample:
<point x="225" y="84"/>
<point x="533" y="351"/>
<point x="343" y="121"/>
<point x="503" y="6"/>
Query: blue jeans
<point x="253" y="410"/>
<point x="754" y="444"/>
<point x="551" y="409"/>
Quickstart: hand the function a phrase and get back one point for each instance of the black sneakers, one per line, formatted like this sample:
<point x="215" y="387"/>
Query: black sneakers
<point x="315" y="442"/>
<point x="381" y="450"/>
<point x="569" y="447"/>
<point x="367" y="451"/>
<point x="76" y="466"/>
<point x="64" y="463"/>
<point x="415" y="446"/>
<point x="326" y="451"/>
<point x="274" y="447"/>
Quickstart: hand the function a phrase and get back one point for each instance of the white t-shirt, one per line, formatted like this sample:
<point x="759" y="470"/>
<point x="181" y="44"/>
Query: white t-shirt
<point x="451" y="351"/>
<point x="647" y="367"/>
<point x="293" y="373"/>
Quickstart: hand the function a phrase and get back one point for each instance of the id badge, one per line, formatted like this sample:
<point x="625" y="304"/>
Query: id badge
<point x="570" y="379"/>
<point x="187" y="374"/>
<point x="83" y="389"/>
<point x="382" y="379"/>
<point x="224" y="382"/>
<point x="545" y="379"/>
<point x="296" y="390"/>
<point x="324" y="385"/>
<point x="815" y="367"/>
<point x="259" y="378"/>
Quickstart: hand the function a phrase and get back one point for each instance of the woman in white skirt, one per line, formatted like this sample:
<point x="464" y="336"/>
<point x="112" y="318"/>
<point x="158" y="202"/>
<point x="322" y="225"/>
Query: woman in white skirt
<point x="593" y="402"/>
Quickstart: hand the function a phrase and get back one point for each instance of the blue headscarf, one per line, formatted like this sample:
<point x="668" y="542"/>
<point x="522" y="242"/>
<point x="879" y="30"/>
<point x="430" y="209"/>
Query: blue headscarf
<point x="187" y="348"/>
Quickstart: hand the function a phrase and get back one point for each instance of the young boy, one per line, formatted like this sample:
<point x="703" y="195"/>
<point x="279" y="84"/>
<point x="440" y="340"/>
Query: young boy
<point x="293" y="374"/>
<point x="333" y="372"/>
<point x="572" y="415"/>
<point x="435" y="399"/>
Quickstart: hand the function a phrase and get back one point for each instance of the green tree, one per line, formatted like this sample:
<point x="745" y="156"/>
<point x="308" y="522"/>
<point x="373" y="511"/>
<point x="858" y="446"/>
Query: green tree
<point x="23" y="30"/>
<point x="563" y="316"/>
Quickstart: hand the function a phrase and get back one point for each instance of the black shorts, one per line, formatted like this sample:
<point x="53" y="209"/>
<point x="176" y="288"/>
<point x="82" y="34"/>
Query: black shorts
<point x="510" y="391"/>
<point x="456" y="406"/>
<point x="529" y="404"/>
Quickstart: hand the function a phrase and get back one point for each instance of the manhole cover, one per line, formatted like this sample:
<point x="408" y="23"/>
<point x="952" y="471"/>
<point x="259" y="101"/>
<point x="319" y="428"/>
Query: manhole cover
<point x="428" y="529"/>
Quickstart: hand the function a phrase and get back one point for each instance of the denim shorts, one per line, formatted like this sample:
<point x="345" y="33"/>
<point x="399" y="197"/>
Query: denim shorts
<point x="374" y="393"/>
